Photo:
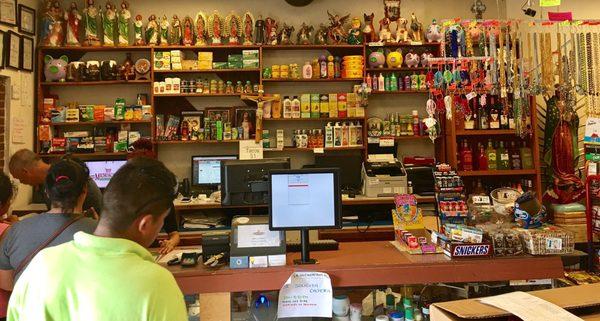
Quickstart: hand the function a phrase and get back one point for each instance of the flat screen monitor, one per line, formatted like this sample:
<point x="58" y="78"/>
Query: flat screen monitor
<point x="304" y="199"/>
<point x="206" y="170"/>
<point x="102" y="171"/>
<point x="245" y="182"/>
<point x="350" y="170"/>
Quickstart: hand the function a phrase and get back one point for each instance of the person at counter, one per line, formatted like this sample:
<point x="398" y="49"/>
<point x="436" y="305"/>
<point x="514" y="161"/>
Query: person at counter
<point x="31" y="170"/>
<point x="7" y="193"/>
<point x="108" y="275"/>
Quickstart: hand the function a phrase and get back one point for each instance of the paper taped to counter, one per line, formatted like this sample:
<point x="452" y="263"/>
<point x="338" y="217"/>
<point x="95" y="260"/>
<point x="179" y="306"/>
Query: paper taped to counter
<point x="529" y="307"/>
<point x="306" y="294"/>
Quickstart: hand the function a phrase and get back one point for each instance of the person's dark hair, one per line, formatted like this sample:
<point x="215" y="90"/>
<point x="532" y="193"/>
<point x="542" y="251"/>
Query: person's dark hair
<point x="6" y="189"/>
<point x="65" y="182"/>
<point x="141" y="186"/>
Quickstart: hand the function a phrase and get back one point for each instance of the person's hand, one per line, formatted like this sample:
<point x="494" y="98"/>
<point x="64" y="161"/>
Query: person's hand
<point x="166" y="246"/>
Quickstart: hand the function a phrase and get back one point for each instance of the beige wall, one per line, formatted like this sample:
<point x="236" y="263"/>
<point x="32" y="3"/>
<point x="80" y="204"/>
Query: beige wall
<point x="22" y="108"/>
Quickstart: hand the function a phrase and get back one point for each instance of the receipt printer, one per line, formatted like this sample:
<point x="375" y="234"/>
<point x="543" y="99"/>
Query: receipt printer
<point x="383" y="175"/>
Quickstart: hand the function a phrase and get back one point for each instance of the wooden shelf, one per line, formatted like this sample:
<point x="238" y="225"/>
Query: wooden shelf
<point x="485" y="132"/>
<point x="327" y="149"/>
<point x="96" y="83"/>
<point x="510" y="172"/>
<point x="97" y="123"/>
<point x="313" y="119"/>
<point x="200" y="142"/>
<point x="310" y="47"/>
<point x="404" y="44"/>
<point x="85" y="155"/>
<point x="397" y="69"/>
<point x="214" y="71"/>
<point x="400" y="92"/>
<point x="369" y="264"/>
<point x="196" y="95"/>
<point x="212" y="47"/>
<point x="315" y="80"/>
<point x="98" y="48"/>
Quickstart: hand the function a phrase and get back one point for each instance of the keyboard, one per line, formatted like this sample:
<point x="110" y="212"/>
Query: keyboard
<point x="318" y="245"/>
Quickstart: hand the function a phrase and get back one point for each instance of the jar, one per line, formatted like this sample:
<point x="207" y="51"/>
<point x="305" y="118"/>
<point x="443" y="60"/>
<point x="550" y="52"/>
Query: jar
<point x="284" y="72"/>
<point x="294" y="71"/>
<point x="220" y="87"/>
<point x="213" y="86"/>
<point x="229" y="87"/>
<point x="275" y="71"/>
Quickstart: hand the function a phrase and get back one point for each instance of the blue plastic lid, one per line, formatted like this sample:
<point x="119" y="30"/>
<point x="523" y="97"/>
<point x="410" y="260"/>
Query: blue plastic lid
<point x="397" y="315"/>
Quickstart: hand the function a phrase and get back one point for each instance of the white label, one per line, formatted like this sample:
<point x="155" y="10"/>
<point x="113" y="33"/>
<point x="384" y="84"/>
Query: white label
<point x="503" y="157"/>
<point x="554" y="243"/>
<point x="592" y="168"/>
<point x="386" y="142"/>
<point x="306" y="294"/>
<point x="387" y="190"/>
<point x="529" y="307"/>
<point x="471" y="95"/>
<point x="259" y="262"/>
<point x="373" y="140"/>
<point x="481" y="199"/>
<point x="249" y="149"/>
<point x="277" y="260"/>
<point x="319" y="150"/>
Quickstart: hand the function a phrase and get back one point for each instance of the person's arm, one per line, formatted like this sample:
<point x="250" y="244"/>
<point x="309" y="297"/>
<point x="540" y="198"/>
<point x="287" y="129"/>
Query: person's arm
<point x="6" y="270"/>
<point x="7" y="279"/>
<point x="170" y="227"/>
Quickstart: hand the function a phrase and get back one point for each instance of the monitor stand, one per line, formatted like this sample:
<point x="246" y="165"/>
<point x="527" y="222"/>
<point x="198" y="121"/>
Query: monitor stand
<point x="305" y="253"/>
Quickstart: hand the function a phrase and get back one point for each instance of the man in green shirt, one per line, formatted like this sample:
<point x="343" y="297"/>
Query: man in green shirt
<point x="108" y="276"/>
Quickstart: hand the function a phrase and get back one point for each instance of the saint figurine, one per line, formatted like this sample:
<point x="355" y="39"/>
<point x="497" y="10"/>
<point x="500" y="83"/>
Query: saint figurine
<point x="54" y="33"/>
<point x="355" y="33"/>
<point x="73" y="19"/>
<point x="215" y="27"/>
<point x="188" y="31"/>
<point x="90" y="23"/>
<point x="248" y="28"/>
<point x="152" y="32"/>
<point x="200" y="29"/>
<point x="109" y="20"/>
<point x="138" y="30"/>
<point x="164" y="31"/>
<point x="176" y="31"/>
<point x="259" y="34"/>
<point x="124" y="19"/>
<point x="233" y="25"/>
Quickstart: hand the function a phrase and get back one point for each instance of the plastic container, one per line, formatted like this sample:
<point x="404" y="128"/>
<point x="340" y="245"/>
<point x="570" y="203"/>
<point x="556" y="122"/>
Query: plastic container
<point x="503" y="199"/>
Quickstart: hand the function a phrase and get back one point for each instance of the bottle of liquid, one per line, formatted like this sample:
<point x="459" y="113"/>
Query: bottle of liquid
<point x="337" y="135"/>
<point x="526" y="157"/>
<point x="515" y="156"/>
<point x="296" y="107"/>
<point x="483" y="118"/>
<point x="511" y="119"/>
<point x="316" y="69"/>
<point x="287" y="107"/>
<point x="375" y="86"/>
<point x="393" y="82"/>
<point x="323" y="67"/>
<point x="337" y="63"/>
<point x="353" y="138"/>
<point x="369" y="81"/>
<point x="307" y="71"/>
<point x="466" y="157"/>
<point x="386" y="80"/>
<point x="328" y="135"/>
<point x="381" y="82"/>
<point x="495" y="113"/>
<point x="415" y="123"/>
<point x="491" y="156"/>
<point x="407" y="83"/>
<point x="503" y="157"/>
<point x="345" y="134"/>
<point x="330" y="67"/>
<point x="482" y="161"/>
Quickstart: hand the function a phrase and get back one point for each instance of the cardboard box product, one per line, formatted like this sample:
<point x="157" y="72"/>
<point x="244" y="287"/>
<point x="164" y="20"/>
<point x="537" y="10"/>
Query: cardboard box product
<point x="280" y="139"/>
<point x="582" y="300"/>
<point x="205" y="55"/>
<point x="162" y="60"/>
<point x="305" y="105"/>
<point x="315" y="105"/>
<point x="250" y="54"/>
<point x="250" y="63"/>
<point x="333" y="106"/>
<point x="547" y="240"/>
<point x="220" y="65"/>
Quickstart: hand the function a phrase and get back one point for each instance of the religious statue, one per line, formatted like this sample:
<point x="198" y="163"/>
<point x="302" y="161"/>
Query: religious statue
<point x="233" y="26"/>
<point x="321" y="35"/>
<point x="259" y="31"/>
<point x="176" y="31"/>
<point x="90" y="23"/>
<point x="53" y="34"/>
<point x="188" y="31"/>
<point x="304" y="34"/>
<point x="109" y="20"/>
<point x="124" y="19"/>
<point x="355" y="36"/>
<point x="200" y="29"/>
<point x="152" y="31"/>
<point x="138" y="30"/>
<point x="215" y="27"/>
<point x="336" y="33"/>
<point x="248" y="28"/>
<point x="164" y="31"/>
<point x="271" y="35"/>
<point x="391" y="9"/>
<point x="285" y="35"/>
<point x="73" y="19"/>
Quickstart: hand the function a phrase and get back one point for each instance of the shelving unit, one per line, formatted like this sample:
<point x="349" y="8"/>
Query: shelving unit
<point x="176" y="142"/>
<point x="315" y="80"/>
<point x="400" y="92"/>
<point x="510" y="172"/>
<point x="313" y="119"/>
<point x="96" y="83"/>
<point x="326" y="149"/>
<point x="99" y="123"/>
<point x="201" y="71"/>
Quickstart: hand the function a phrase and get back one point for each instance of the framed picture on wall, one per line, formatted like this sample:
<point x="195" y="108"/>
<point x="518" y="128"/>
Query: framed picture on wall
<point x="13" y="50"/>
<point x="8" y="12"/>
<point x="245" y="118"/>
<point x="2" y="46"/>
<point x="26" y="19"/>
<point x="219" y="113"/>
<point x="26" y="53"/>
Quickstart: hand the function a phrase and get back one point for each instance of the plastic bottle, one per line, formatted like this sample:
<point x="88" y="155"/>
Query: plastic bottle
<point x="407" y="83"/>
<point x="295" y="107"/>
<point x="337" y="135"/>
<point x="381" y="82"/>
<point x="415" y="123"/>
<point x="337" y="63"/>
<point x="316" y="69"/>
<point x="386" y="83"/>
<point x="393" y="82"/>
<point x="491" y="156"/>
<point x="323" y="67"/>
<point x="369" y="81"/>
<point x="330" y="67"/>
<point x="307" y="71"/>
<point x="375" y="86"/>
<point x="287" y="107"/>
<point x="328" y="135"/>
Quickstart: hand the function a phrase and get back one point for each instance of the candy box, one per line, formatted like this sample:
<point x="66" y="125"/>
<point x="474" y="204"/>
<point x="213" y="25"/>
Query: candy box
<point x="547" y="240"/>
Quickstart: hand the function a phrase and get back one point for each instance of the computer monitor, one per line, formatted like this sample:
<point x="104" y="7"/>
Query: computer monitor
<point x="245" y="182"/>
<point x="206" y="170"/>
<point x="305" y="199"/>
<point x="102" y="171"/>
<point x="350" y="170"/>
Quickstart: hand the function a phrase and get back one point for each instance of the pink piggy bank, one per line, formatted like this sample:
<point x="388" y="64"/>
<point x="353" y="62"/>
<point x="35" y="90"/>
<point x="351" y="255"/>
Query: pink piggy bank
<point x="412" y="60"/>
<point x="376" y="59"/>
<point x="55" y="69"/>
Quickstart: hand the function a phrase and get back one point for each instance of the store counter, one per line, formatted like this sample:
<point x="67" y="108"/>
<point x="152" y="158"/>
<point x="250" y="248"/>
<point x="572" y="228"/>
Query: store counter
<point x="369" y="264"/>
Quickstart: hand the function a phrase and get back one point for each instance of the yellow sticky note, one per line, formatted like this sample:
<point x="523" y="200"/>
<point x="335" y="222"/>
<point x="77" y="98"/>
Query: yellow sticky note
<point x="549" y="3"/>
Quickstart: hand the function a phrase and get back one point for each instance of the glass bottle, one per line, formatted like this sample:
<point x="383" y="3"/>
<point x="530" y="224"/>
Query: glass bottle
<point x="330" y="68"/>
<point x="495" y="113"/>
<point x="503" y="157"/>
<point x="483" y="118"/>
<point x="466" y="157"/>
<point x="526" y="157"/>
<point x="316" y="73"/>
<point x="482" y="161"/>
<point x="491" y="156"/>
<point x="515" y="156"/>
<point x="239" y="88"/>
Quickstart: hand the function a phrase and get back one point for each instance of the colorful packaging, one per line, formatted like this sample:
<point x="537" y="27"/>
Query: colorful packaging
<point x="342" y="105"/>
<point x="58" y="114"/>
<point x="109" y="113"/>
<point x="315" y="103"/>
<point x="128" y="114"/>
<point x="133" y="137"/>
<point x="160" y="126"/>
<point x="324" y="105"/>
<point x="99" y="113"/>
<point x="137" y="112"/>
<point x="266" y="139"/>
<point x="44" y="133"/>
<point x="146" y="112"/>
<point x="305" y="105"/>
<point x="72" y="115"/>
<point x="333" y="106"/>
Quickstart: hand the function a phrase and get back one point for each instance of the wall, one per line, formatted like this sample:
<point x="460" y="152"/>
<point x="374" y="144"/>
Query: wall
<point x="20" y="109"/>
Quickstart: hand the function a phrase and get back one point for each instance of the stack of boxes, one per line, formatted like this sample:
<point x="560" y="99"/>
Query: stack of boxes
<point x="234" y="62"/>
<point x="177" y="57"/>
<point x="205" y="60"/>
<point x="250" y="59"/>
<point x="162" y="60"/>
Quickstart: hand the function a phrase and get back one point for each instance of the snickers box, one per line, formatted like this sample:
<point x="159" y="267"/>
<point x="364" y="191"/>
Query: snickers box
<point x="468" y="250"/>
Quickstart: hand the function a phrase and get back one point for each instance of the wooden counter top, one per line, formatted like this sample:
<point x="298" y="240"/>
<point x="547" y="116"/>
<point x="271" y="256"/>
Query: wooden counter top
<point x="369" y="264"/>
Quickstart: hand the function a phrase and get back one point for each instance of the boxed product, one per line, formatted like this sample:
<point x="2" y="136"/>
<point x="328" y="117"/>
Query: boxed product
<point x="342" y="106"/>
<point x="220" y="65"/>
<point x="99" y="113"/>
<point x="160" y="126"/>
<point x="146" y="112"/>
<point x="547" y="240"/>
<point x="129" y="111"/>
<point x="205" y="55"/>
<point x="171" y="127"/>
<point x="49" y="105"/>
<point x="137" y="112"/>
<point x="72" y="115"/>
<point x="463" y="233"/>
<point x="280" y="139"/>
<point x="133" y="137"/>
<point x="58" y="114"/>
<point x="189" y="64"/>
<point x="99" y="144"/>
<point x="58" y="145"/>
<point x="266" y="139"/>
<point x="249" y="54"/>
<point x="333" y="106"/>
<point x="109" y="113"/>
<point x="506" y="242"/>
<point x="315" y="103"/>
<point x="86" y="113"/>
<point x="162" y="60"/>
<point x="251" y="63"/>
<point x="305" y="105"/>
<point x="44" y="133"/>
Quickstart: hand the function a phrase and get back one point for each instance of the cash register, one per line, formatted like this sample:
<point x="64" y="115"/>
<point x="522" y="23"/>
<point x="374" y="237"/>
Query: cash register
<point x="383" y="175"/>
